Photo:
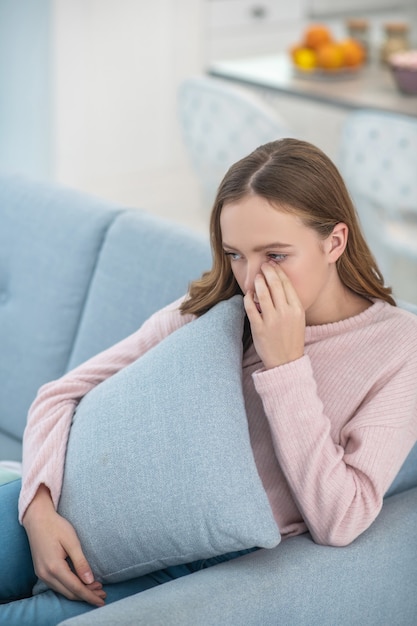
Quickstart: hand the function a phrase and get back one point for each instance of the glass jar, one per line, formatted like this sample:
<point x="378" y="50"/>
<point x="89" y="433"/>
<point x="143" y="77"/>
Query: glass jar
<point x="358" y="29"/>
<point x="396" y="39"/>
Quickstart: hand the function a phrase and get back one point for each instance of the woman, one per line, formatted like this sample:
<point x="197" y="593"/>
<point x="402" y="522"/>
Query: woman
<point x="329" y="373"/>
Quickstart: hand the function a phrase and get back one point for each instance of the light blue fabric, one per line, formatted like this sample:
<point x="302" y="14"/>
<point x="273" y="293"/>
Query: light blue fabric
<point x="77" y="274"/>
<point x="159" y="468"/>
<point x="7" y="476"/>
<point x="371" y="582"/>
<point x="144" y="265"/>
<point x="17" y="577"/>
<point x="407" y="476"/>
<point x="16" y="571"/>
<point x="49" y="242"/>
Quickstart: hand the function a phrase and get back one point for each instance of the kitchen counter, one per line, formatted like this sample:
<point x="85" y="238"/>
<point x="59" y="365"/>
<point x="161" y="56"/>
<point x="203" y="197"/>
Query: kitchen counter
<point x="371" y="87"/>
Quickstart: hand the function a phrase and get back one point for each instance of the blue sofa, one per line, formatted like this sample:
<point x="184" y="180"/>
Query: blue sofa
<point x="76" y="275"/>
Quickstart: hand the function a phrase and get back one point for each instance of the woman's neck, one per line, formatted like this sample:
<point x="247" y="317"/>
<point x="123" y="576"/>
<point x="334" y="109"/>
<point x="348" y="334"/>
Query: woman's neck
<point x="340" y="304"/>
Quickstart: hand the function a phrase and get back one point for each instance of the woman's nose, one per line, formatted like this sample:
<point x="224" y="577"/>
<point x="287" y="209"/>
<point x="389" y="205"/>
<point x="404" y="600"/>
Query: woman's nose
<point x="251" y="271"/>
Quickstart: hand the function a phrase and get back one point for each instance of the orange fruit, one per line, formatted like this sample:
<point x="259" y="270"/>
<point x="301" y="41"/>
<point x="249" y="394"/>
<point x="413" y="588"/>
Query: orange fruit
<point x="316" y="35"/>
<point x="330" y="56"/>
<point x="353" y="52"/>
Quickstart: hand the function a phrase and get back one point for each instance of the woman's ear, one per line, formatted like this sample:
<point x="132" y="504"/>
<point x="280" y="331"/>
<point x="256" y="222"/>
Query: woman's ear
<point x="337" y="241"/>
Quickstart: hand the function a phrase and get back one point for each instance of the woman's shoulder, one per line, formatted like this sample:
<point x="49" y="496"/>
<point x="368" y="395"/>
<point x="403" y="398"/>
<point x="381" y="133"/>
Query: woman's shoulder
<point x="404" y="315"/>
<point x="399" y="326"/>
<point x="381" y="313"/>
<point x="407" y="308"/>
<point x="381" y="328"/>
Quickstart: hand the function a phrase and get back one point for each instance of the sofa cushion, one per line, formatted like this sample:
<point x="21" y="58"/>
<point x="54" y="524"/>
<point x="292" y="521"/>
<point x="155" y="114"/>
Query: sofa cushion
<point x="370" y="582"/>
<point x="7" y="475"/>
<point x="159" y="468"/>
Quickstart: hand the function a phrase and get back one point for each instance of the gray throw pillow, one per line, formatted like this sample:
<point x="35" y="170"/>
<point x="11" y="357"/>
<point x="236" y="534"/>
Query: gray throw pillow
<point x="159" y="468"/>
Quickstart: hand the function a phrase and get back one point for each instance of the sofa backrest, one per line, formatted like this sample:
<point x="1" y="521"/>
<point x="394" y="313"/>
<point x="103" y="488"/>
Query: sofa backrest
<point x="144" y="264"/>
<point x="49" y="242"/>
<point x="76" y="275"/>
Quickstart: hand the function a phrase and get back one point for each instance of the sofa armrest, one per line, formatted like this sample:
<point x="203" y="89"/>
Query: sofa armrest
<point x="372" y="582"/>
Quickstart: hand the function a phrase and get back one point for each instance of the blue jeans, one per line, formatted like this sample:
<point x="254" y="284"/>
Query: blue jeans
<point x="17" y="577"/>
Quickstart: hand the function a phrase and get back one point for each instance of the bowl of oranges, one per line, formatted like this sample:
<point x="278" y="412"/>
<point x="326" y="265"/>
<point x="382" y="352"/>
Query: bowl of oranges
<point x="319" y="54"/>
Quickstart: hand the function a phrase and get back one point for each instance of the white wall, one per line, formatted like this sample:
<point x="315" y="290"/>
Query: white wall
<point x="117" y="67"/>
<point x="88" y="89"/>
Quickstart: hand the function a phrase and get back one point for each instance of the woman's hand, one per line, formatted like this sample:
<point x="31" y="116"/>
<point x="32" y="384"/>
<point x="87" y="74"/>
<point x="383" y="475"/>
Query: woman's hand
<point x="53" y="540"/>
<point x="278" y="328"/>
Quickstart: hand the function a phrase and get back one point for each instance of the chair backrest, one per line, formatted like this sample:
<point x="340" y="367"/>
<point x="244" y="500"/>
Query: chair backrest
<point x="378" y="160"/>
<point x="221" y="123"/>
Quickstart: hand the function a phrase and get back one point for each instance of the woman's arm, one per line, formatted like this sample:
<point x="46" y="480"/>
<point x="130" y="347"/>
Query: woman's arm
<point x="337" y="465"/>
<point x="49" y="418"/>
<point x="338" y="487"/>
<point x="52" y="539"/>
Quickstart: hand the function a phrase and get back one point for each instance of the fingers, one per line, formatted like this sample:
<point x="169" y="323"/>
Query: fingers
<point x="81" y="583"/>
<point x="79" y="561"/>
<point x="59" y="577"/>
<point x="53" y="543"/>
<point x="270" y="292"/>
<point x="250" y="307"/>
<point x="279" y="285"/>
<point x="276" y="316"/>
<point x="67" y="583"/>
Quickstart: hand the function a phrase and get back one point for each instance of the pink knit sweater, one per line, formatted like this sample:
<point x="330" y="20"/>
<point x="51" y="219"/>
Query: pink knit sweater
<point x="329" y="431"/>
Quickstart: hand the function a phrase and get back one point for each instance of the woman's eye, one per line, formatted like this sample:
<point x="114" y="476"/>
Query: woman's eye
<point x="277" y="257"/>
<point x="234" y="256"/>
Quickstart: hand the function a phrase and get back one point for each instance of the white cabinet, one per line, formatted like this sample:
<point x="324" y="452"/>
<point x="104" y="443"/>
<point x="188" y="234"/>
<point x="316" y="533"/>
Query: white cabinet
<point x="225" y="14"/>
<point x="236" y="28"/>
<point x="318" y="8"/>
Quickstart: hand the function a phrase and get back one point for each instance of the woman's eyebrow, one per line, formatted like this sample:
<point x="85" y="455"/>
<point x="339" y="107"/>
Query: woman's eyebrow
<point x="275" y="244"/>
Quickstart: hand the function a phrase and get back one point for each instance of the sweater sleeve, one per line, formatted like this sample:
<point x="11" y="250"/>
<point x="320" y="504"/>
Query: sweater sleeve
<point x="49" y="418"/>
<point x="338" y="485"/>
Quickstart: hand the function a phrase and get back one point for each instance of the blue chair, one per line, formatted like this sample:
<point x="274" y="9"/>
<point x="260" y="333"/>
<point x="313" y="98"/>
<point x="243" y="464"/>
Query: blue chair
<point x="378" y="160"/>
<point x="222" y="123"/>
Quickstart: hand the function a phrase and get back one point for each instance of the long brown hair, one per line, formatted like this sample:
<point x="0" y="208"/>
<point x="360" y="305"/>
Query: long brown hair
<point x="297" y="176"/>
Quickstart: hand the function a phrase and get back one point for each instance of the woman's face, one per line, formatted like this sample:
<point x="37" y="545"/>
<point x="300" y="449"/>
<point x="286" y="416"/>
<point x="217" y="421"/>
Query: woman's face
<point x="254" y="232"/>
